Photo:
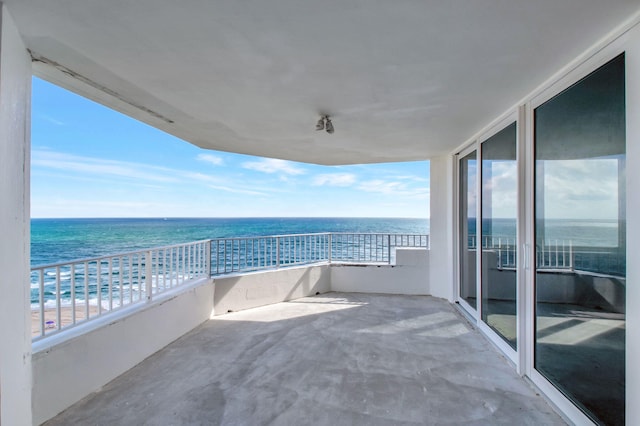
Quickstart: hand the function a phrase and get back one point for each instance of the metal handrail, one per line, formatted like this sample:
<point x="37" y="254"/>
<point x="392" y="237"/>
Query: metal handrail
<point x="122" y="254"/>
<point x="99" y="285"/>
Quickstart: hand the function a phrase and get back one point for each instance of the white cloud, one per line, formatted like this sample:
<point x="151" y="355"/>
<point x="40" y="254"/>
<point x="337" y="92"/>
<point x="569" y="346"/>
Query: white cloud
<point x="99" y="166"/>
<point x="201" y="177"/>
<point x="500" y="189"/>
<point x="237" y="190"/>
<point x="393" y="188"/>
<point x="272" y="165"/>
<point x="335" y="179"/>
<point x="51" y="120"/>
<point x="576" y="189"/>
<point x="211" y="159"/>
<point x="411" y="177"/>
<point x="104" y="170"/>
<point x="382" y="186"/>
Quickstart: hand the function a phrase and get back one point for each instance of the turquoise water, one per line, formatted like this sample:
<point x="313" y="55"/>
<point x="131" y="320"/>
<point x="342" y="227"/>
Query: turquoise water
<point x="60" y="240"/>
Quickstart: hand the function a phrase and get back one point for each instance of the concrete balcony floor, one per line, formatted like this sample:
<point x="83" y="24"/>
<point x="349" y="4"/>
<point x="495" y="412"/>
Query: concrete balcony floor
<point x="332" y="359"/>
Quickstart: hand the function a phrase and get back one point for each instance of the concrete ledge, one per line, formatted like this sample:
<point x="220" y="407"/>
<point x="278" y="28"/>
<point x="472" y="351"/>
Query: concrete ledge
<point x="245" y="291"/>
<point x="410" y="275"/>
<point x="67" y="372"/>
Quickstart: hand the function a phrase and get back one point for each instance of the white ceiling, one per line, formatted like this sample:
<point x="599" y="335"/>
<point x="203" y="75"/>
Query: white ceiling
<point x="403" y="80"/>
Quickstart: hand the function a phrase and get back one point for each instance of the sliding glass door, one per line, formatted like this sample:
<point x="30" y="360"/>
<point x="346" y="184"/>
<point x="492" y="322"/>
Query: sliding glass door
<point x="499" y="200"/>
<point x="556" y="308"/>
<point x="580" y="274"/>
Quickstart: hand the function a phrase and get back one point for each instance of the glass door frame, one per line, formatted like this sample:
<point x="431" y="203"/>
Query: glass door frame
<point x="515" y="356"/>
<point x="568" y="79"/>
<point x="626" y="41"/>
<point x="469" y="310"/>
<point x="512" y="355"/>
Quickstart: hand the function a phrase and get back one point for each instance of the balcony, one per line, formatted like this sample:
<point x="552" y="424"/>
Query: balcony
<point x="335" y="358"/>
<point x="356" y="307"/>
<point x="142" y="301"/>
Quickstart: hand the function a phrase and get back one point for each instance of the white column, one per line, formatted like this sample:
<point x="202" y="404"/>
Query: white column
<point x="632" y="383"/>
<point x="441" y="261"/>
<point x="15" y="320"/>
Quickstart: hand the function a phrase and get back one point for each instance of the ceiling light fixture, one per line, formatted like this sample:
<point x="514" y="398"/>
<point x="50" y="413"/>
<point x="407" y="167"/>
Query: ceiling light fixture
<point x="328" y="125"/>
<point x="325" y="124"/>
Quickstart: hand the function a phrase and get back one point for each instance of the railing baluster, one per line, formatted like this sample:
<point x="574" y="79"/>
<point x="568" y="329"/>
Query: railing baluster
<point x="110" y="284"/>
<point x="571" y="256"/>
<point x="41" y="300"/>
<point x="99" y="285"/>
<point x="184" y="263"/>
<point x="86" y="290"/>
<point x="147" y="275"/>
<point x="130" y="279"/>
<point x="121" y="280"/>
<point x="224" y="257"/>
<point x="72" y="270"/>
<point x="142" y="276"/>
<point x="192" y="258"/>
<point x="58" y="300"/>
<point x="217" y="257"/>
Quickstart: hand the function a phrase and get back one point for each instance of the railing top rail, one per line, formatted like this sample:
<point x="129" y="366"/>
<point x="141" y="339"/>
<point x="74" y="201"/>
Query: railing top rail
<point x="319" y="234"/>
<point x="254" y="237"/>
<point x="380" y="233"/>
<point x="192" y="243"/>
<point x="111" y="256"/>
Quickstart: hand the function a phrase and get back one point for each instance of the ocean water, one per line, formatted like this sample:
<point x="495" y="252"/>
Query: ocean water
<point x="61" y="240"/>
<point x="583" y="232"/>
<point x="595" y="245"/>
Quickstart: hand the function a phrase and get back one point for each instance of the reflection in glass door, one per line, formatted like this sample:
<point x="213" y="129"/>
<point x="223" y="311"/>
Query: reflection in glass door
<point x="499" y="244"/>
<point x="580" y="237"/>
<point x="468" y="238"/>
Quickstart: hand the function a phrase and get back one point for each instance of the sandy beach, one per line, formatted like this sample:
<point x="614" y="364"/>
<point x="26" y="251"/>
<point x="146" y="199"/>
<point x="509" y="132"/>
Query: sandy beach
<point x="65" y="316"/>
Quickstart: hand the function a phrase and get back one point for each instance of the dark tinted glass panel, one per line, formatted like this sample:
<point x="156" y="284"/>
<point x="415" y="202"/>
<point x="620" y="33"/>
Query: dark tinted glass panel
<point x="580" y="242"/>
<point x="499" y="244"/>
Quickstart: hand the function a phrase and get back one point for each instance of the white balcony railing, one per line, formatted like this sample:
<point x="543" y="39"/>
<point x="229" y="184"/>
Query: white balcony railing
<point x="69" y="293"/>
<point x="66" y="294"/>
<point x="557" y="255"/>
<point x="552" y="254"/>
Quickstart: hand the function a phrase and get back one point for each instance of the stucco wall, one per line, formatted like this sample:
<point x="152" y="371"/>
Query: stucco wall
<point x="67" y="372"/>
<point x="15" y="337"/>
<point x="409" y="275"/>
<point x="557" y="286"/>
<point x="244" y="291"/>
<point x="441" y="241"/>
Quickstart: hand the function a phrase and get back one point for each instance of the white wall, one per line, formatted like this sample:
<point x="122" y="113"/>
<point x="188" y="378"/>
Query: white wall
<point x="15" y="325"/>
<point x="238" y="292"/>
<point x="409" y="275"/>
<point x="69" y="371"/>
<point x="441" y="259"/>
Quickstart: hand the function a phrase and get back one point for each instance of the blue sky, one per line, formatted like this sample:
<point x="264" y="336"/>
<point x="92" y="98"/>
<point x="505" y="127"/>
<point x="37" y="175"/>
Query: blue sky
<point x="90" y="161"/>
